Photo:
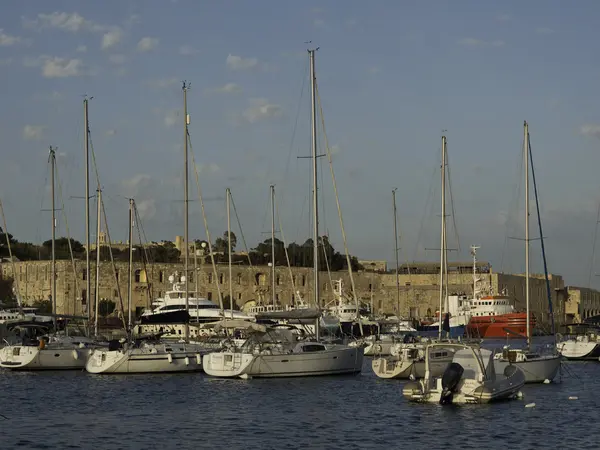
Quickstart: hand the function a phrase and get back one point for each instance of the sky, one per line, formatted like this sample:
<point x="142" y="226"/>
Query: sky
<point x="393" y="77"/>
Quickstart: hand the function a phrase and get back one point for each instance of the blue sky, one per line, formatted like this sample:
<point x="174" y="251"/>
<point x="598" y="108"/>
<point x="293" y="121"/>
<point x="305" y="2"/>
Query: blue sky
<point x="392" y="75"/>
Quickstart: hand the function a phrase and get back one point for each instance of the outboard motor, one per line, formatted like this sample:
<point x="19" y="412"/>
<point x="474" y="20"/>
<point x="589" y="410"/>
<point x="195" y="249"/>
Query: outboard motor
<point x="450" y="380"/>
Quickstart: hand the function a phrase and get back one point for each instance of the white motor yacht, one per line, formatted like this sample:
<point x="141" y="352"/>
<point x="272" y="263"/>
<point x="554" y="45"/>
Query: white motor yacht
<point x="470" y="379"/>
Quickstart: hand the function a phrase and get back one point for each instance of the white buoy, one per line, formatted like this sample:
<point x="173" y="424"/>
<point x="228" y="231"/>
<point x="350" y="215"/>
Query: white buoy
<point x="245" y="376"/>
<point x="411" y="377"/>
<point x="520" y="395"/>
<point x="547" y="381"/>
<point x="530" y="405"/>
<point x="170" y="358"/>
<point x="572" y="397"/>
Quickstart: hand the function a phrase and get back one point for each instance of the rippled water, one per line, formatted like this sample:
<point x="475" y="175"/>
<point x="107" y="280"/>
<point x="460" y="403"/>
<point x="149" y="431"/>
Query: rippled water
<point x="180" y="411"/>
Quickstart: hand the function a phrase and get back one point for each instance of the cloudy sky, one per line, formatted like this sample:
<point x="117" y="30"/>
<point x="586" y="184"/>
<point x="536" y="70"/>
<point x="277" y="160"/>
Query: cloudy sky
<point x="392" y="76"/>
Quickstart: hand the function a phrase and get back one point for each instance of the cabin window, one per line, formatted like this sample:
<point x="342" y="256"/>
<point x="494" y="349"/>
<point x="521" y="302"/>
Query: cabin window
<point x="313" y="348"/>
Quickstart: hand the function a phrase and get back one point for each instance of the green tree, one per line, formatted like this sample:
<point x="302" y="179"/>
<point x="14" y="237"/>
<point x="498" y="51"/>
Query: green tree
<point x="106" y="307"/>
<point x="222" y="243"/>
<point x="43" y="306"/>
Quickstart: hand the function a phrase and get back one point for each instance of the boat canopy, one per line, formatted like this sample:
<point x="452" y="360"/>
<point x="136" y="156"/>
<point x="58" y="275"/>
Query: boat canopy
<point x="237" y="324"/>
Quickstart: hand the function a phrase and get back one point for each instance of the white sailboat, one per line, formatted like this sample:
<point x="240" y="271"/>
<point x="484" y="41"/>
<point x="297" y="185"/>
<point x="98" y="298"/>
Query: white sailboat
<point x="537" y="367"/>
<point x="283" y="353"/>
<point x="41" y="351"/>
<point x="146" y="356"/>
<point x="408" y="359"/>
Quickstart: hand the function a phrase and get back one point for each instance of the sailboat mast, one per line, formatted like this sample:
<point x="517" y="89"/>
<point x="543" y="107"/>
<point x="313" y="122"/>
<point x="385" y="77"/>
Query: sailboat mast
<point x="130" y="274"/>
<point x="228" y="194"/>
<point x="311" y="54"/>
<point x="186" y="206"/>
<point x="272" y="187"/>
<point x="396" y="252"/>
<point x="53" y="281"/>
<point x="88" y="288"/>
<point x="98" y="228"/>
<point x="442" y="236"/>
<point x="526" y="156"/>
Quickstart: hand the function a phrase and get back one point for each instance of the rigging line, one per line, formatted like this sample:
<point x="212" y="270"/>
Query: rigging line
<point x="41" y="197"/>
<point x="427" y="206"/>
<point x="237" y="218"/>
<point x="323" y="214"/>
<point x="337" y="201"/>
<point x="593" y="258"/>
<point x="112" y="261"/>
<point x="453" y="210"/>
<point x="210" y="251"/>
<point x="144" y="258"/>
<point x="513" y="206"/>
<point x="537" y="207"/>
<point x="287" y="256"/>
<point x="295" y="129"/>
<point x="64" y="214"/>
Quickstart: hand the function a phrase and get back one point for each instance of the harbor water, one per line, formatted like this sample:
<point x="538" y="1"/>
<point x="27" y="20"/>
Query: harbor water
<point x="74" y="410"/>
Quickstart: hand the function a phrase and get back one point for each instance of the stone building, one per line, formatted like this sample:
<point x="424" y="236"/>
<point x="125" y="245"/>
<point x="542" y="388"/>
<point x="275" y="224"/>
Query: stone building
<point x="416" y="295"/>
<point x="581" y="304"/>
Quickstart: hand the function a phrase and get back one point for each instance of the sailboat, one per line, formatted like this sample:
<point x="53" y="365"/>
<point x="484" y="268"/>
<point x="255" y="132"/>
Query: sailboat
<point x="150" y="355"/>
<point x="40" y="350"/>
<point x="537" y="367"/>
<point x="279" y="352"/>
<point x="409" y="358"/>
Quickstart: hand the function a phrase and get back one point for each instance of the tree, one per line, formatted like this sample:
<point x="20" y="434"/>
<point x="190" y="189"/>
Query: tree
<point x="43" y="306"/>
<point x="106" y="307"/>
<point x="6" y="291"/>
<point x="222" y="243"/>
<point x="61" y="246"/>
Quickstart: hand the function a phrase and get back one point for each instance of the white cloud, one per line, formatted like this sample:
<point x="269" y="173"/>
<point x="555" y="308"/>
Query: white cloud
<point x="117" y="59"/>
<point x="187" y="50"/>
<point x="146" y="44"/>
<point x="261" y="109"/>
<point x="229" y="88"/>
<point x="72" y="22"/>
<point x="544" y="30"/>
<point x="7" y="40"/>
<point x="319" y="23"/>
<point x="111" y="38"/>
<point x="62" y="67"/>
<point x="111" y="132"/>
<point x="162" y="83"/>
<point x="239" y="63"/>
<point x="474" y="42"/>
<point x="81" y="49"/>
<point x="208" y="168"/>
<point x="146" y="208"/>
<point x="335" y="149"/>
<point x="171" y="117"/>
<point x="33" y="132"/>
<point x="590" y="130"/>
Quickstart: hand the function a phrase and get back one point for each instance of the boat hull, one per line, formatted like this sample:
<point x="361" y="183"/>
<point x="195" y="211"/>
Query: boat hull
<point x="579" y="350"/>
<point x="144" y="360"/>
<point x="23" y="357"/>
<point x="536" y="370"/>
<point x="336" y="360"/>
<point x="404" y="369"/>
<point x="504" y="326"/>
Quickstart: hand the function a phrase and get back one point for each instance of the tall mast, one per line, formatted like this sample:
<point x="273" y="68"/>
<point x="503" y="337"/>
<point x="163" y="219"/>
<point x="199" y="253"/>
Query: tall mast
<point x="186" y="206"/>
<point x="526" y="156"/>
<point x="311" y="55"/>
<point x="88" y="289"/>
<point x="98" y="228"/>
<point x="53" y="280"/>
<point x="442" y="236"/>
<point x="396" y="252"/>
<point x="228" y="193"/>
<point x="474" y="254"/>
<point x="273" y="244"/>
<point x="130" y="274"/>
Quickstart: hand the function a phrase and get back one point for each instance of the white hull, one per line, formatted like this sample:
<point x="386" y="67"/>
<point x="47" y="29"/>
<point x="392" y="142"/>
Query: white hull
<point x="404" y="369"/>
<point x="20" y="357"/>
<point x="536" y="370"/>
<point x="334" y="360"/>
<point x="579" y="349"/>
<point x="160" y="358"/>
